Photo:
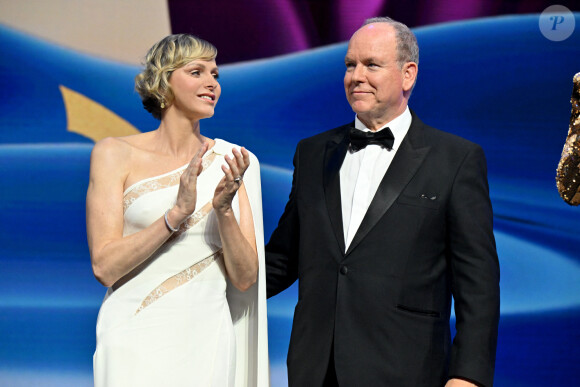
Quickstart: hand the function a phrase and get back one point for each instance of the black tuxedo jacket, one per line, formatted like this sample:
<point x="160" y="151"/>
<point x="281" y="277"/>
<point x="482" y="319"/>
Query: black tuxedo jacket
<point x="382" y="307"/>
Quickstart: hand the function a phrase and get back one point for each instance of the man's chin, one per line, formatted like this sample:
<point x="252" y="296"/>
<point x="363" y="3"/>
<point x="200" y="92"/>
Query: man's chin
<point x="360" y="108"/>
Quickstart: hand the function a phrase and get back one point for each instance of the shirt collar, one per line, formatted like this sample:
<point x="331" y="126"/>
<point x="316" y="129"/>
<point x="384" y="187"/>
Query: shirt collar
<point x="399" y="126"/>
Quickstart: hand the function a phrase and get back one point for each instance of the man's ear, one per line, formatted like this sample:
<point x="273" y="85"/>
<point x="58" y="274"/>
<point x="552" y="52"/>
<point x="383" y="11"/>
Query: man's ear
<point x="409" y="70"/>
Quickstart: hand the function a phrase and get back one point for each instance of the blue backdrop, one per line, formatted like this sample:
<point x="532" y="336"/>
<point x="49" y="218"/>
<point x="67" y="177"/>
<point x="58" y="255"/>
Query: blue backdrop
<point x="497" y="81"/>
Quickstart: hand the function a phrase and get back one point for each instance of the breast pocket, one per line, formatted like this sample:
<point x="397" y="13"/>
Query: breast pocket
<point x="427" y="199"/>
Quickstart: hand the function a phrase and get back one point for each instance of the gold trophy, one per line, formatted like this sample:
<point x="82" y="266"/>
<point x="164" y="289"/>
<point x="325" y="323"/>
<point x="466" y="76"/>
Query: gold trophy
<point x="568" y="172"/>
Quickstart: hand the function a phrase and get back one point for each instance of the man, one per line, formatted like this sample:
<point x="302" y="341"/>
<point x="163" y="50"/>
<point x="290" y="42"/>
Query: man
<point x="380" y="236"/>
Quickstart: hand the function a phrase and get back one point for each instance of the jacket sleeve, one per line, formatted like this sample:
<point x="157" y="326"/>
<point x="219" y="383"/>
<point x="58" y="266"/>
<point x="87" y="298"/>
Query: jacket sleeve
<point x="282" y="249"/>
<point x="474" y="272"/>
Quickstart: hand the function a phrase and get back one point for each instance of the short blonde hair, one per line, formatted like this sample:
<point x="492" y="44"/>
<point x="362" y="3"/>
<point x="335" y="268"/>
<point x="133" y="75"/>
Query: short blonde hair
<point x="167" y="55"/>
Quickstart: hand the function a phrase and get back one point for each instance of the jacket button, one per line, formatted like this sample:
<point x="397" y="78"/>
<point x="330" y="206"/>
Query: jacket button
<point x="344" y="270"/>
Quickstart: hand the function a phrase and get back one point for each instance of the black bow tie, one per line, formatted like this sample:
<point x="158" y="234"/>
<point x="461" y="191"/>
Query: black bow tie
<point x="360" y="139"/>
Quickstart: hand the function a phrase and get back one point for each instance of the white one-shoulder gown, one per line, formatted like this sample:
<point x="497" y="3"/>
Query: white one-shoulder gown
<point x="178" y="321"/>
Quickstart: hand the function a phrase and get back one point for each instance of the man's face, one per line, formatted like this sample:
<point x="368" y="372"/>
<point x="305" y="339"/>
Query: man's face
<point x="374" y="83"/>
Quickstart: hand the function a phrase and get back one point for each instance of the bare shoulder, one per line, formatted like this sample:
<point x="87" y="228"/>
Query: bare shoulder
<point x="118" y="149"/>
<point x="110" y="150"/>
<point x="111" y="158"/>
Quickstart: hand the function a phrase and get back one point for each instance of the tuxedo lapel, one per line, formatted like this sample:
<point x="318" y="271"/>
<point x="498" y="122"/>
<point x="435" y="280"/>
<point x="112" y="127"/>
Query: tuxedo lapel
<point x="405" y="164"/>
<point x="334" y="155"/>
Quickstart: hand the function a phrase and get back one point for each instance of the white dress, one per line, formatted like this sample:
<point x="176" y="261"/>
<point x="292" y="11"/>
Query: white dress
<point x="178" y="321"/>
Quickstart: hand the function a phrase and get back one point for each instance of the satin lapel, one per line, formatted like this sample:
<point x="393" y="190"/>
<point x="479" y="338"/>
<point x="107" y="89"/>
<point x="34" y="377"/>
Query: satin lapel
<point x="406" y="163"/>
<point x="333" y="157"/>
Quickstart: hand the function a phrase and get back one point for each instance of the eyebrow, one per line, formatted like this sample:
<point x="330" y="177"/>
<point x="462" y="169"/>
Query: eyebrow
<point x="364" y="60"/>
<point x="200" y="64"/>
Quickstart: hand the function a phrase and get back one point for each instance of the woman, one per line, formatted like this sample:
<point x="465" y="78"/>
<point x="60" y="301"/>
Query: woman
<point x="175" y="231"/>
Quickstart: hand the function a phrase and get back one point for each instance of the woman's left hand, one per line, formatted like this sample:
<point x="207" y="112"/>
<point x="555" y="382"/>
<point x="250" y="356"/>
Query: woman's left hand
<point x="231" y="182"/>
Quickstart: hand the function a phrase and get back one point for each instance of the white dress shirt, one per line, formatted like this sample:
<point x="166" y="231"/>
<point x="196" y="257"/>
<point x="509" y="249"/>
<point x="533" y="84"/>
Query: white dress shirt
<point x="361" y="173"/>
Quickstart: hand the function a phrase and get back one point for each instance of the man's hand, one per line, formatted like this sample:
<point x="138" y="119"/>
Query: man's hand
<point x="459" y="383"/>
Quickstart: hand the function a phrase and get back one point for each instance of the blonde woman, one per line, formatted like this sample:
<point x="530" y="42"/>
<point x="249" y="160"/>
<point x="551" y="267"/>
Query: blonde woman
<point x="174" y="224"/>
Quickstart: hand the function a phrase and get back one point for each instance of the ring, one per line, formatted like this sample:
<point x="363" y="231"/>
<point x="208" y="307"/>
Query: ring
<point x="237" y="179"/>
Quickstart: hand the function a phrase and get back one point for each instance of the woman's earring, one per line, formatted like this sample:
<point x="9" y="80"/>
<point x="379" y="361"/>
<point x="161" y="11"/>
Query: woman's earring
<point x="162" y="104"/>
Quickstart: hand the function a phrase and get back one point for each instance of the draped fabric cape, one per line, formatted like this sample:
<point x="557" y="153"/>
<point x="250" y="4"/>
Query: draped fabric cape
<point x="249" y="308"/>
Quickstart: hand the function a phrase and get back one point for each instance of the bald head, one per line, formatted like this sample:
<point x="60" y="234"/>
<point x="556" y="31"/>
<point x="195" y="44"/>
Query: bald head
<point x="407" y="47"/>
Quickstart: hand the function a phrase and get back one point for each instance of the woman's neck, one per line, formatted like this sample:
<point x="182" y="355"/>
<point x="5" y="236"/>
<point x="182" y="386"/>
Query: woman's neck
<point x="179" y="137"/>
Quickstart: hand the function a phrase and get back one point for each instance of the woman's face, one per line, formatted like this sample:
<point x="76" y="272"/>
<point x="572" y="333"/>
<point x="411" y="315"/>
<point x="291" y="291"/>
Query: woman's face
<point x="195" y="89"/>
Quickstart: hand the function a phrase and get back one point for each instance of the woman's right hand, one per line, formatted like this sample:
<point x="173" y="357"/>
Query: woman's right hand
<point x="187" y="193"/>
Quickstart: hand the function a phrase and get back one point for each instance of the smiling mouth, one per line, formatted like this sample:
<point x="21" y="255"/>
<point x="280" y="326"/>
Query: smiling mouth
<point x="207" y="97"/>
<point x="359" y="93"/>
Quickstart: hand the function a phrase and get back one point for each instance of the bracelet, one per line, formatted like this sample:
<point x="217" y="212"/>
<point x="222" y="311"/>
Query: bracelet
<point x="167" y="223"/>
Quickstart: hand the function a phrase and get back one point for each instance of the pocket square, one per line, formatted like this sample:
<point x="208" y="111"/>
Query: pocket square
<point x="430" y="197"/>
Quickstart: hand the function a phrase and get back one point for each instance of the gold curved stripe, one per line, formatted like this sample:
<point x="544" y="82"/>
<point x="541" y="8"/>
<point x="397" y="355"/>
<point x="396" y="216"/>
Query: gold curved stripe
<point x="91" y="119"/>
